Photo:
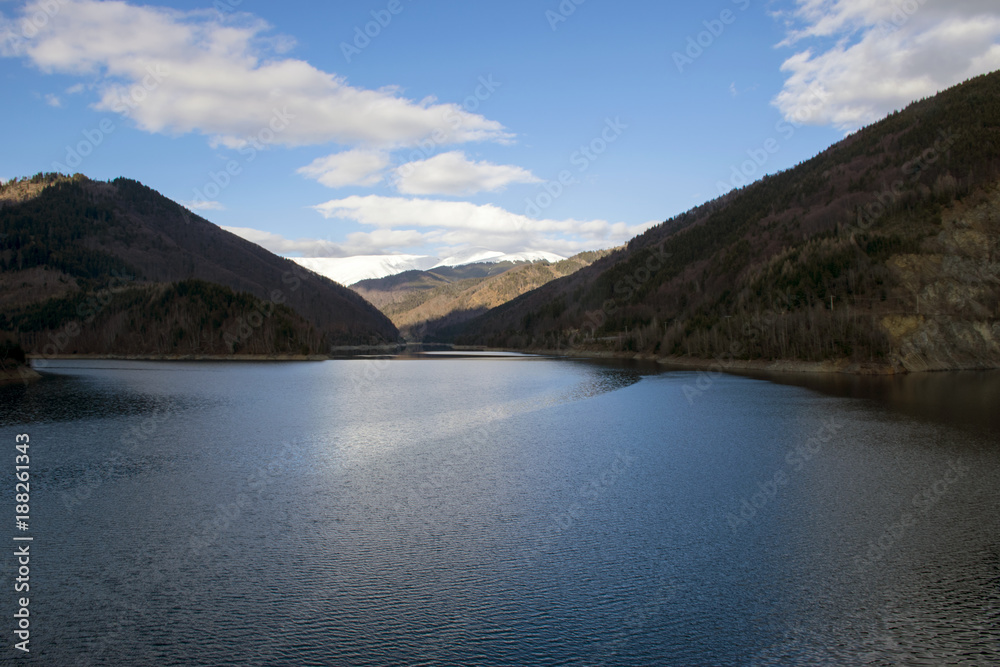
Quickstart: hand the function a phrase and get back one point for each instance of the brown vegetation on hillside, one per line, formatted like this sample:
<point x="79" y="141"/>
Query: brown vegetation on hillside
<point x="423" y="303"/>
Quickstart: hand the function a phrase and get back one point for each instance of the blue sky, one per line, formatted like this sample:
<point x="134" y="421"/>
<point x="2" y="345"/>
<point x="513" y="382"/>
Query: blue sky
<point x="410" y="126"/>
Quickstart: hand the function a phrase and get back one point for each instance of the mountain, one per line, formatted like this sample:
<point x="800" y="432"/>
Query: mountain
<point x="421" y="303"/>
<point x="116" y="268"/>
<point x="351" y="270"/>
<point x="881" y="254"/>
<point x="483" y="256"/>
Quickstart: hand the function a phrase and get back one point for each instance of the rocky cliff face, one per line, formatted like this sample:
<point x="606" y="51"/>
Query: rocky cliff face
<point x="954" y="285"/>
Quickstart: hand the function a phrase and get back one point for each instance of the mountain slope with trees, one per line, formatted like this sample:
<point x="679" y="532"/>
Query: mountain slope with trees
<point x="127" y="271"/>
<point x="422" y="303"/>
<point x="879" y="253"/>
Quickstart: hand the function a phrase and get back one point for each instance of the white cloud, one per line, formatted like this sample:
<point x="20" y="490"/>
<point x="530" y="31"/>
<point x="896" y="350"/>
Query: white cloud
<point x="354" y="167"/>
<point x="457" y="224"/>
<point x="53" y="100"/>
<point x="384" y="240"/>
<point x="377" y="242"/>
<point x="454" y="174"/>
<point x="198" y="71"/>
<point x="436" y="242"/>
<point x="884" y="56"/>
<point x="280" y="245"/>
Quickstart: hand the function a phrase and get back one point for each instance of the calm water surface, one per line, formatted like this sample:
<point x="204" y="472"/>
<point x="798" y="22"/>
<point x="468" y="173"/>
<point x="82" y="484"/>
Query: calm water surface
<point x="504" y="511"/>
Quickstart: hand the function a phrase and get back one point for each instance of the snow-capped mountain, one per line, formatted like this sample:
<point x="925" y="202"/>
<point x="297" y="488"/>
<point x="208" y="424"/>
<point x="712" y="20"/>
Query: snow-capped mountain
<point x="471" y="256"/>
<point x="349" y="270"/>
<point x="480" y="256"/>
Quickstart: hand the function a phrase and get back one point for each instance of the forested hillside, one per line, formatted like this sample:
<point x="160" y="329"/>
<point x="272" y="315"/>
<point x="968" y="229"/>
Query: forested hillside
<point x="131" y="272"/>
<point x="422" y="304"/>
<point x="882" y="250"/>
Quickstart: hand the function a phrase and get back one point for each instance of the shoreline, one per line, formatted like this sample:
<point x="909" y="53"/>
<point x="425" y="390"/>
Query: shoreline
<point x="845" y="366"/>
<point x="828" y="367"/>
<point x="842" y="366"/>
<point x="17" y="375"/>
<point x="838" y="366"/>
<point x="347" y="350"/>
<point x="174" y="357"/>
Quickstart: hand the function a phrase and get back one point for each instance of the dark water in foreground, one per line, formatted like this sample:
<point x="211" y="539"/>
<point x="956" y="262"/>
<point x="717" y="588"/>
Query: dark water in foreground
<point x="502" y="511"/>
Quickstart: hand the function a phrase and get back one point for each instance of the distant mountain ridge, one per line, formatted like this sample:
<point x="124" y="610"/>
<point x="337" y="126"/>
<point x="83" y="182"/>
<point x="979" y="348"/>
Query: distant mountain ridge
<point x="423" y="303"/>
<point x="880" y="253"/>
<point x="99" y="257"/>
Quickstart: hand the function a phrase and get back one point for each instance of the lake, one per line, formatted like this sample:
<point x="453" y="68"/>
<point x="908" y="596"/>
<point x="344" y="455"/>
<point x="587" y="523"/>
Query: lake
<point x="504" y="510"/>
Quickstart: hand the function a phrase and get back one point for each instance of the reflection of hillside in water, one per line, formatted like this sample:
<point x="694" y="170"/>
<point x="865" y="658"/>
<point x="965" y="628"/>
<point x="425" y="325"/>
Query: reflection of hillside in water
<point x="68" y="399"/>
<point x="965" y="399"/>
